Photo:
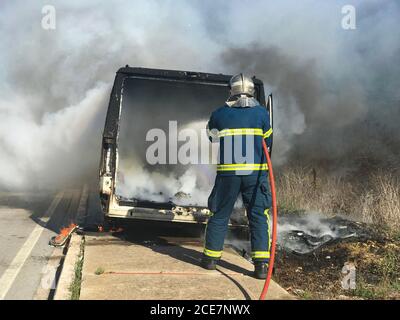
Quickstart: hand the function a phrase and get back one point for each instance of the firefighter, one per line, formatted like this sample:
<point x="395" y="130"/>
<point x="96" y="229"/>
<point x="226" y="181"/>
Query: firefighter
<point x="239" y="127"/>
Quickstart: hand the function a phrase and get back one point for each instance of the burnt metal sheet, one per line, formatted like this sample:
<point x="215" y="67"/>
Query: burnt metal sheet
<point x="118" y="111"/>
<point x="112" y="118"/>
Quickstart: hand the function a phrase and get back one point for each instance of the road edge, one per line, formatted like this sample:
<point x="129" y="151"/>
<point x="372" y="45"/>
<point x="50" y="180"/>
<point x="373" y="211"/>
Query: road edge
<point x="67" y="276"/>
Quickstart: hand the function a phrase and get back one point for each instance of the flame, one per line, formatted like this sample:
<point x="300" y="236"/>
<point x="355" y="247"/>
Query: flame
<point x="64" y="232"/>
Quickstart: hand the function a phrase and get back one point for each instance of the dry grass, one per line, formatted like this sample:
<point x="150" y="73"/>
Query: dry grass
<point x="375" y="199"/>
<point x="384" y="201"/>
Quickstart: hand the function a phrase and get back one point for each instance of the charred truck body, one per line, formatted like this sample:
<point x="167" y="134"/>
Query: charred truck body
<point x="143" y="99"/>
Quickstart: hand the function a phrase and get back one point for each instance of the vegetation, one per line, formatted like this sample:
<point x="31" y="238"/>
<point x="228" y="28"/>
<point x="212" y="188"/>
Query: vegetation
<point x="75" y="287"/>
<point x="372" y="198"/>
<point x="99" y="271"/>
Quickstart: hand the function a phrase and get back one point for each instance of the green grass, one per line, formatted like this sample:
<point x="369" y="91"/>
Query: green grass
<point x="390" y="266"/>
<point x="363" y="290"/>
<point x="396" y="286"/>
<point x="99" y="271"/>
<point x="396" y="235"/>
<point x="380" y="291"/>
<point x="306" y="295"/>
<point x="75" y="287"/>
<point x="365" y="293"/>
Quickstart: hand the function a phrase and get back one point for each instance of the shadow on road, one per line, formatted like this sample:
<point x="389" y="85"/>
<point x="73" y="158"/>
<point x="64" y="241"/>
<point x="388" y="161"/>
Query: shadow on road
<point x="168" y="238"/>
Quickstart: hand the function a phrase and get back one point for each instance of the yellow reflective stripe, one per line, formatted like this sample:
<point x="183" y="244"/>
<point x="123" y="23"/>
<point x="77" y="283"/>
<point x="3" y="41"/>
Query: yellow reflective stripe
<point x="268" y="133"/>
<point x="212" y="253"/>
<point x="242" y="166"/>
<point x="260" y="254"/>
<point x="266" y="212"/>
<point x="241" y="131"/>
<point x="226" y="165"/>
<point x="243" y="169"/>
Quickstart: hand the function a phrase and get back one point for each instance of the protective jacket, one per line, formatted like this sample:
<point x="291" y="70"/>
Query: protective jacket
<point x="240" y="131"/>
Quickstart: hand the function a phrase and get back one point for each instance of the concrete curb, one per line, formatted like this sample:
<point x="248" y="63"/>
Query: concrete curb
<point x="67" y="275"/>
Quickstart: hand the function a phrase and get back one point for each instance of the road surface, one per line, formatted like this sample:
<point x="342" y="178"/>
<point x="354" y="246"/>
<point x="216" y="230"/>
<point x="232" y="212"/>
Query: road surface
<point x="28" y="220"/>
<point x="29" y="267"/>
<point x="161" y="261"/>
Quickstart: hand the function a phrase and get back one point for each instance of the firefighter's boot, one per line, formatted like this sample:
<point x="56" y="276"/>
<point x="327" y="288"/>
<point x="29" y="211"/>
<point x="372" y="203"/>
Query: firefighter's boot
<point x="208" y="263"/>
<point x="260" y="270"/>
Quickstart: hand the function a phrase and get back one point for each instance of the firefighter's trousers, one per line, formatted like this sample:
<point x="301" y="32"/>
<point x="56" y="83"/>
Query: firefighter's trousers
<point x="257" y="200"/>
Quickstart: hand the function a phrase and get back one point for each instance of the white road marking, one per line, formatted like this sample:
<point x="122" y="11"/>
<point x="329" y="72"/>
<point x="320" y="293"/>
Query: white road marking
<point x="9" y="276"/>
<point x="43" y="291"/>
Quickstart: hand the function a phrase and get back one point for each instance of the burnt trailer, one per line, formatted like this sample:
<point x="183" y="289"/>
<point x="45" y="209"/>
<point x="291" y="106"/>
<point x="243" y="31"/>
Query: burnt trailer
<point x="142" y="99"/>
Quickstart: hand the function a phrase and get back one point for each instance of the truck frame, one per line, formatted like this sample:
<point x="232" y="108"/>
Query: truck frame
<point x="114" y="206"/>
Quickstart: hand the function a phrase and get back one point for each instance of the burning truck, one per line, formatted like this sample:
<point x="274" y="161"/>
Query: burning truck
<point x="131" y="186"/>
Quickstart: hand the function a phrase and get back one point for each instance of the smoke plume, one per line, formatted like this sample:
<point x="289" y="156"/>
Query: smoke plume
<point x="336" y="91"/>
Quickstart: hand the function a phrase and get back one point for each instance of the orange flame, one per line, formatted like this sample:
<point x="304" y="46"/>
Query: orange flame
<point x="64" y="232"/>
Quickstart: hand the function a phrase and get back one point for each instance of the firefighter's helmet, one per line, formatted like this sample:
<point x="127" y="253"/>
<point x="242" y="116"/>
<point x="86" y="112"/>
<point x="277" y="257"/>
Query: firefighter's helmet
<point x="241" y="85"/>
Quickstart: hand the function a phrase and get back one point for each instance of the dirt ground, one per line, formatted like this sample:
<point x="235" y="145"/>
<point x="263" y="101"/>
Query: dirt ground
<point x="318" y="275"/>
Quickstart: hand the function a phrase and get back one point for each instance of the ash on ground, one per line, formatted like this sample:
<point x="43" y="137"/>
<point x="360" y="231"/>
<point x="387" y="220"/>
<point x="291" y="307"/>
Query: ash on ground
<point x="305" y="233"/>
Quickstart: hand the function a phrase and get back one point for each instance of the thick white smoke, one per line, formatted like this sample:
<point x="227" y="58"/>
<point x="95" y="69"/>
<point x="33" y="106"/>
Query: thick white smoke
<point x="332" y="86"/>
<point x="39" y="153"/>
<point x="186" y="185"/>
<point x="56" y="83"/>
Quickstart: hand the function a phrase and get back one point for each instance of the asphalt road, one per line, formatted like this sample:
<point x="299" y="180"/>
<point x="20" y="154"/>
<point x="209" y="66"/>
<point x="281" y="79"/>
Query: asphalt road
<point x="28" y="264"/>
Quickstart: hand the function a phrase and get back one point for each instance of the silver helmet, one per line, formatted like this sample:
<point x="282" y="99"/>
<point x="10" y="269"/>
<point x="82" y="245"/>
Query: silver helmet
<point x="241" y="85"/>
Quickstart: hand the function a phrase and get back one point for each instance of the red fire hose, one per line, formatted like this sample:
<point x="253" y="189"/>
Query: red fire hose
<point x="274" y="222"/>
